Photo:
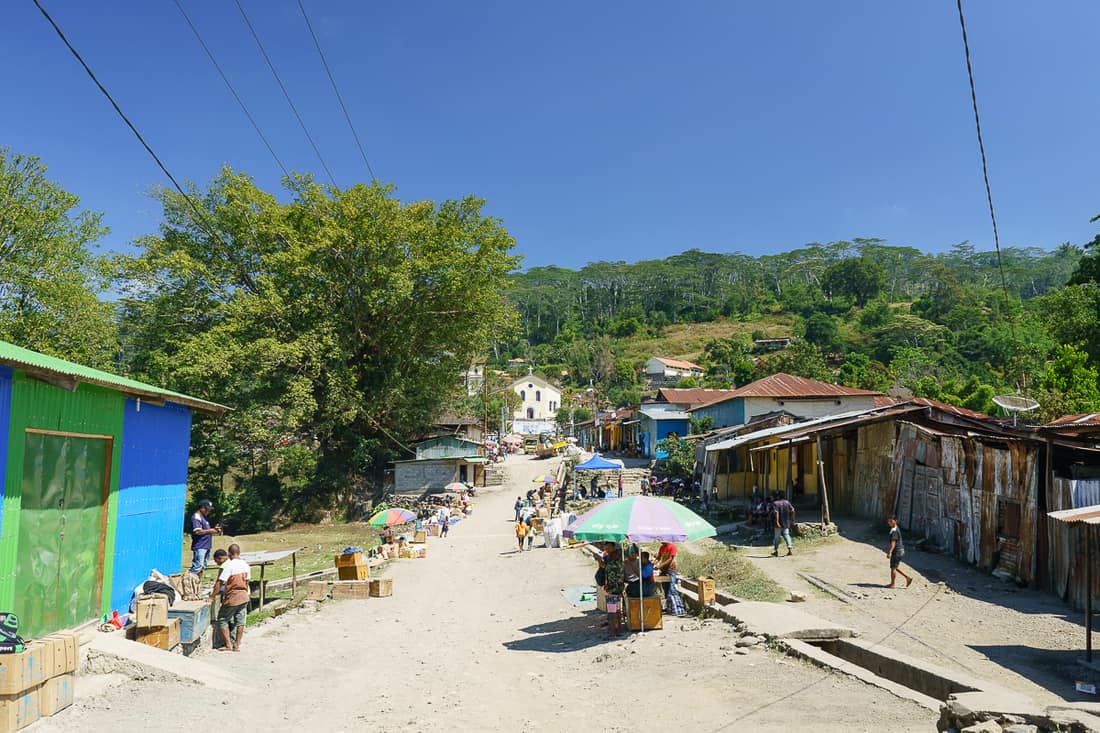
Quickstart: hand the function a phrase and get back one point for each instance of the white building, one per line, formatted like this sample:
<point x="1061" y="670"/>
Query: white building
<point x="474" y="377"/>
<point x="659" y="370"/>
<point x="539" y="402"/>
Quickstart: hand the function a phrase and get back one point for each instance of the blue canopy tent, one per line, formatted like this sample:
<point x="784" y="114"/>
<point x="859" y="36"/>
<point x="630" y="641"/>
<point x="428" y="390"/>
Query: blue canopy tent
<point x="595" y="463"/>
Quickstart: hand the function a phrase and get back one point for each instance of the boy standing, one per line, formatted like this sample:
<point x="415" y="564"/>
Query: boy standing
<point x="233" y="578"/>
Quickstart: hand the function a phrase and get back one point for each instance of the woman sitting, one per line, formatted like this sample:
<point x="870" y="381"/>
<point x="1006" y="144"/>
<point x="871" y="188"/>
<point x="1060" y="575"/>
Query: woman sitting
<point x="640" y="586"/>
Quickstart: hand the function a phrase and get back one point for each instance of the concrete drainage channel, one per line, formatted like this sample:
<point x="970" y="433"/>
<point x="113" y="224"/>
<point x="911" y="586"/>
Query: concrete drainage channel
<point x="966" y="704"/>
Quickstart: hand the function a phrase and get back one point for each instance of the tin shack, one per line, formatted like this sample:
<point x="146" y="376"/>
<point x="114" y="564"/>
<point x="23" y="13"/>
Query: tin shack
<point x="93" y="474"/>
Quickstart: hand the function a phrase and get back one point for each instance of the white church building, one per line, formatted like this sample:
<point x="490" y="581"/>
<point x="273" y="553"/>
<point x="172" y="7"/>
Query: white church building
<point x="539" y="402"/>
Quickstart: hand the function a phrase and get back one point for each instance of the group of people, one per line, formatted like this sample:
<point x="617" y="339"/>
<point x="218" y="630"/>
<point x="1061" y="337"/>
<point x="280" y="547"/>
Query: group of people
<point x="667" y="486"/>
<point x="635" y="577"/>
<point x="774" y="511"/>
<point x="594" y="491"/>
<point x="232" y="585"/>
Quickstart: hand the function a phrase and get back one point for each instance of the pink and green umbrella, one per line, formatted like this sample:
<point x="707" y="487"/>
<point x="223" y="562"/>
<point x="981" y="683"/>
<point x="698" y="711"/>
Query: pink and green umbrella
<point x="640" y="519"/>
<point x="391" y="517"/>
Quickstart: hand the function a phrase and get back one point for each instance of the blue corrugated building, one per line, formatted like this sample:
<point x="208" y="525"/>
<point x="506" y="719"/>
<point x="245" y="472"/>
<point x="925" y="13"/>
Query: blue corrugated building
<point x="93" y="475"/>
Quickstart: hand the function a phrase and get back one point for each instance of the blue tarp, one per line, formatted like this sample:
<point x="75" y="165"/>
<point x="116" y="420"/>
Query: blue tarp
<point x="598" y="463"/>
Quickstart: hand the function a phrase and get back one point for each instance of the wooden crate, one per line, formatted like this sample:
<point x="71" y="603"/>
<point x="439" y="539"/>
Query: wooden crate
<point x="350" y="559"/>
<point x="650" y="607"/>
<point x="317" y="590"/>
<point x="353" y="572"/>
<point x="166" y="637"/>
<point x="706" y="589"/>
<point x="351" y="589"/>
<point x="381" y="587"/>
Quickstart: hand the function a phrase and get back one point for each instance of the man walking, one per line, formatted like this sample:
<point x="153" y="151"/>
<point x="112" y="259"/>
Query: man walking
<point x="783" y="515"/>
<point x="202" y="536"/>
<point x="518" y="506"/>
<point x="521" y="533"/>
<point x="620" y="484"/>
<point x="896" y="553"/>
<point x="234" y="577"/>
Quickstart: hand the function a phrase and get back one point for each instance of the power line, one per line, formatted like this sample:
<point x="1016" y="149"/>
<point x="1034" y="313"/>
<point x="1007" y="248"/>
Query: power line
<point x="339" y="98"/>
<point x="988" y="190"/>
<point x="203" y="221"/>
<point x="286" y="94"/>
<point x="232" y="91"/>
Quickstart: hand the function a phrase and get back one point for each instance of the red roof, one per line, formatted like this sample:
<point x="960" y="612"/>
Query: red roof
<point x="885" y="401"/>
<point x="677" y="364"/>
<point x="1091" y="419"/>
<point x="791" y="387"/>
<point x="698" y="396"/>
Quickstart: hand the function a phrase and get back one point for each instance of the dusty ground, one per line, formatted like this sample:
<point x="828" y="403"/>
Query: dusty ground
<point x="953" y="615"/>
<point x="478" y="637"/>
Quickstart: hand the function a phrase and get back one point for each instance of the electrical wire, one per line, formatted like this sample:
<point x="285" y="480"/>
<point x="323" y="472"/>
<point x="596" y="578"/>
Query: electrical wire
<point x="204" y="223"/>
<point x="339" y="97"/>
<point x="989" y="190"/>
<point x="286" y="94"/>
<point x="232" y="90"/>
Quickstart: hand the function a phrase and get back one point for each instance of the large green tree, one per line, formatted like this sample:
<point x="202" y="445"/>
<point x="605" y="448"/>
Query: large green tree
<point x="339" y="320"/>
<point x="50" y="275"/>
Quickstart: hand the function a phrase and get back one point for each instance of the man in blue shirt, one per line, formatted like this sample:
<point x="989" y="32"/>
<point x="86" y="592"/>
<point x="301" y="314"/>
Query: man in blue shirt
<point x="202" y="536"/>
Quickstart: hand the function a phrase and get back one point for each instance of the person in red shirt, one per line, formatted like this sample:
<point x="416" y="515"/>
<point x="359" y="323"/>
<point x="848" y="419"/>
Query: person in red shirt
<point x="666" y="565"/>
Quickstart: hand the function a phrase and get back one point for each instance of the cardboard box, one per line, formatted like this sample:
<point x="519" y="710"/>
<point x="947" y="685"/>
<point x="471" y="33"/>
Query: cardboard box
<point x="166" y="637"/>
<point x="48" y="661"/>
<point x="317" y="590"/>
<point x="350" y="559"/>
<point x="706" y="589"/>
<point x="351" y="589"/>
<point x="66" y="652"/>
<point x="353" y="572"/>
<point x="420" y="536"/>
<point x="381" y="587"/>
<point x="19" y="711"/>
<point x="152" y="611"/>
<point x="56" y="694"/>
<point x="21" y="672"/>
<point x="651" y="607"/>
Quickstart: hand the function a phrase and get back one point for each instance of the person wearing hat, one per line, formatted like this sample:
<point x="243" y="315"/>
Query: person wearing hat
<point x="202" y="536"/>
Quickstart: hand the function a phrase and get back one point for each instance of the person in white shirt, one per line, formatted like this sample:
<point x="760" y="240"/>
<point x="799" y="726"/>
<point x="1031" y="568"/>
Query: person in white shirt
<point x="234" y="577"/>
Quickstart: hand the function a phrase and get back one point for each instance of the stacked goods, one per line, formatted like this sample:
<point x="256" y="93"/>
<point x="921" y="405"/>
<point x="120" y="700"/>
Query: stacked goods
<point x="381" y="587"/>
<point x="350" y="566"/>
<point x="38" y="681"/>
<point x="152" y="625"/>
<point x="351" y="589"/>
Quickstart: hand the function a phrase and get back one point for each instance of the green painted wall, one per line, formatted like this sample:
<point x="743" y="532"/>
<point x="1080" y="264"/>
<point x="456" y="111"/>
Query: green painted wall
<point x="90" y="411"/>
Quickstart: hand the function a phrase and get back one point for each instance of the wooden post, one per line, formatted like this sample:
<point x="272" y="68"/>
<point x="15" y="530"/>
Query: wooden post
<point x="293" y="574"/>
<point x="263" y="586"/>
<point x="825" y="518"/>
<point x="1088" y="592"/>
<point x="790" y="468"/>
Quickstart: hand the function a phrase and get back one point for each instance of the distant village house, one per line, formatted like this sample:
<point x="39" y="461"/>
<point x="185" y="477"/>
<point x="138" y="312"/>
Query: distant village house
<point x="669" y="371"/>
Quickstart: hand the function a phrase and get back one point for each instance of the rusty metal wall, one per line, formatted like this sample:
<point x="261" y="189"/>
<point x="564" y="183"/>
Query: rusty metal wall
<point x="1066" y="561"/>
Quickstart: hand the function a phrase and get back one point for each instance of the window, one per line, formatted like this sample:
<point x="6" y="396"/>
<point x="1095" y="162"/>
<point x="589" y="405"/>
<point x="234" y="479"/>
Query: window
<point x="530" y="413"/>
<point x="538" y="395"/>
<point x="522" y="395"/>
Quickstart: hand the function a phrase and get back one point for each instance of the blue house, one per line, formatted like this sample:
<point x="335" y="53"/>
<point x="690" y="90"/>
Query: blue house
<point x="656" y="421"/>
<point x="93" y="478"/>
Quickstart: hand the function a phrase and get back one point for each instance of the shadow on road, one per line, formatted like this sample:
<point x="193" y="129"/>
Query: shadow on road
<point x="564" y="635"/>
<point x="1056" y="670"/>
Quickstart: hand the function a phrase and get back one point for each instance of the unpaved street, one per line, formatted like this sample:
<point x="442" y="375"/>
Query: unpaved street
<point x="478" y="637"/>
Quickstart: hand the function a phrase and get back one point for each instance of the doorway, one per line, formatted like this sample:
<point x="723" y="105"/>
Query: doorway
<point x="62" y="530"/>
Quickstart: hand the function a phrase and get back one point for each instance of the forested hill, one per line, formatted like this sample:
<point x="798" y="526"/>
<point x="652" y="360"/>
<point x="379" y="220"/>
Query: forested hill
<point x="863" y="313"/>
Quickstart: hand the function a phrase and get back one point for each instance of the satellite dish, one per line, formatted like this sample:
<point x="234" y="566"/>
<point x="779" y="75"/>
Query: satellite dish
<point x="1015" y="403"/>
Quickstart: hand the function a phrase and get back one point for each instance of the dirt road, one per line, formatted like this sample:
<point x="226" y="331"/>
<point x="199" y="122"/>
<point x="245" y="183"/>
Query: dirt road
<point x="953" y="615"/>
<point x="479" y="637"/>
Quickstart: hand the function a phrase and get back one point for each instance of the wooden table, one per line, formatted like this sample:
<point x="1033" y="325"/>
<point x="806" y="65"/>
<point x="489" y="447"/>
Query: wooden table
<point x="263" y="558"/>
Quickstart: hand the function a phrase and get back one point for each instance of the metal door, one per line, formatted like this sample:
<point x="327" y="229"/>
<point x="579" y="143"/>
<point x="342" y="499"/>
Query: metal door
<point x="62" y="530"/>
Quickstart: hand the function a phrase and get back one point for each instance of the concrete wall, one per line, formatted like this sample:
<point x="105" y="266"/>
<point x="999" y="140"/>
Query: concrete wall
<point x="755" y="406"/>
<point x="414" y="477"/>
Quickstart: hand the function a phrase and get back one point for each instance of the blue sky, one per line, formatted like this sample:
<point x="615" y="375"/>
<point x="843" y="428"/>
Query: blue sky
<point x="596" y="131"/>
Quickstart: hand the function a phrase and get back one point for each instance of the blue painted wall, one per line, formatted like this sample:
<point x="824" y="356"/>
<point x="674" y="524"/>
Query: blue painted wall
<point x="5" y="421"/>
<point x="654" y="431"/>
<point x="152" y="491"/>
<point x="725" y="414"/>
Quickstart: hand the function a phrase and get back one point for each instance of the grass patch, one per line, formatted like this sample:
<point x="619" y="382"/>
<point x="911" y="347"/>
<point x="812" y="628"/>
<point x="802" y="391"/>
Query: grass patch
<point x="732" y="573"/>
<point x="320" y="543"/>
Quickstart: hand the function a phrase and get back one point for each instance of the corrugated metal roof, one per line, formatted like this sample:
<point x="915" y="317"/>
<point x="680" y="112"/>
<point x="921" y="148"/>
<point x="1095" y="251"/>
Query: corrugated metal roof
<point x="656" y="414"/>
<point x="791" y="387"/>
<point x="37" y="364"/>
<point x="886" y="401"/>
<point x="1084" y="515"/>
<point x="1091" y="419"/>
<point x="693" y="397"/>
<point x="678" y="364"/>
